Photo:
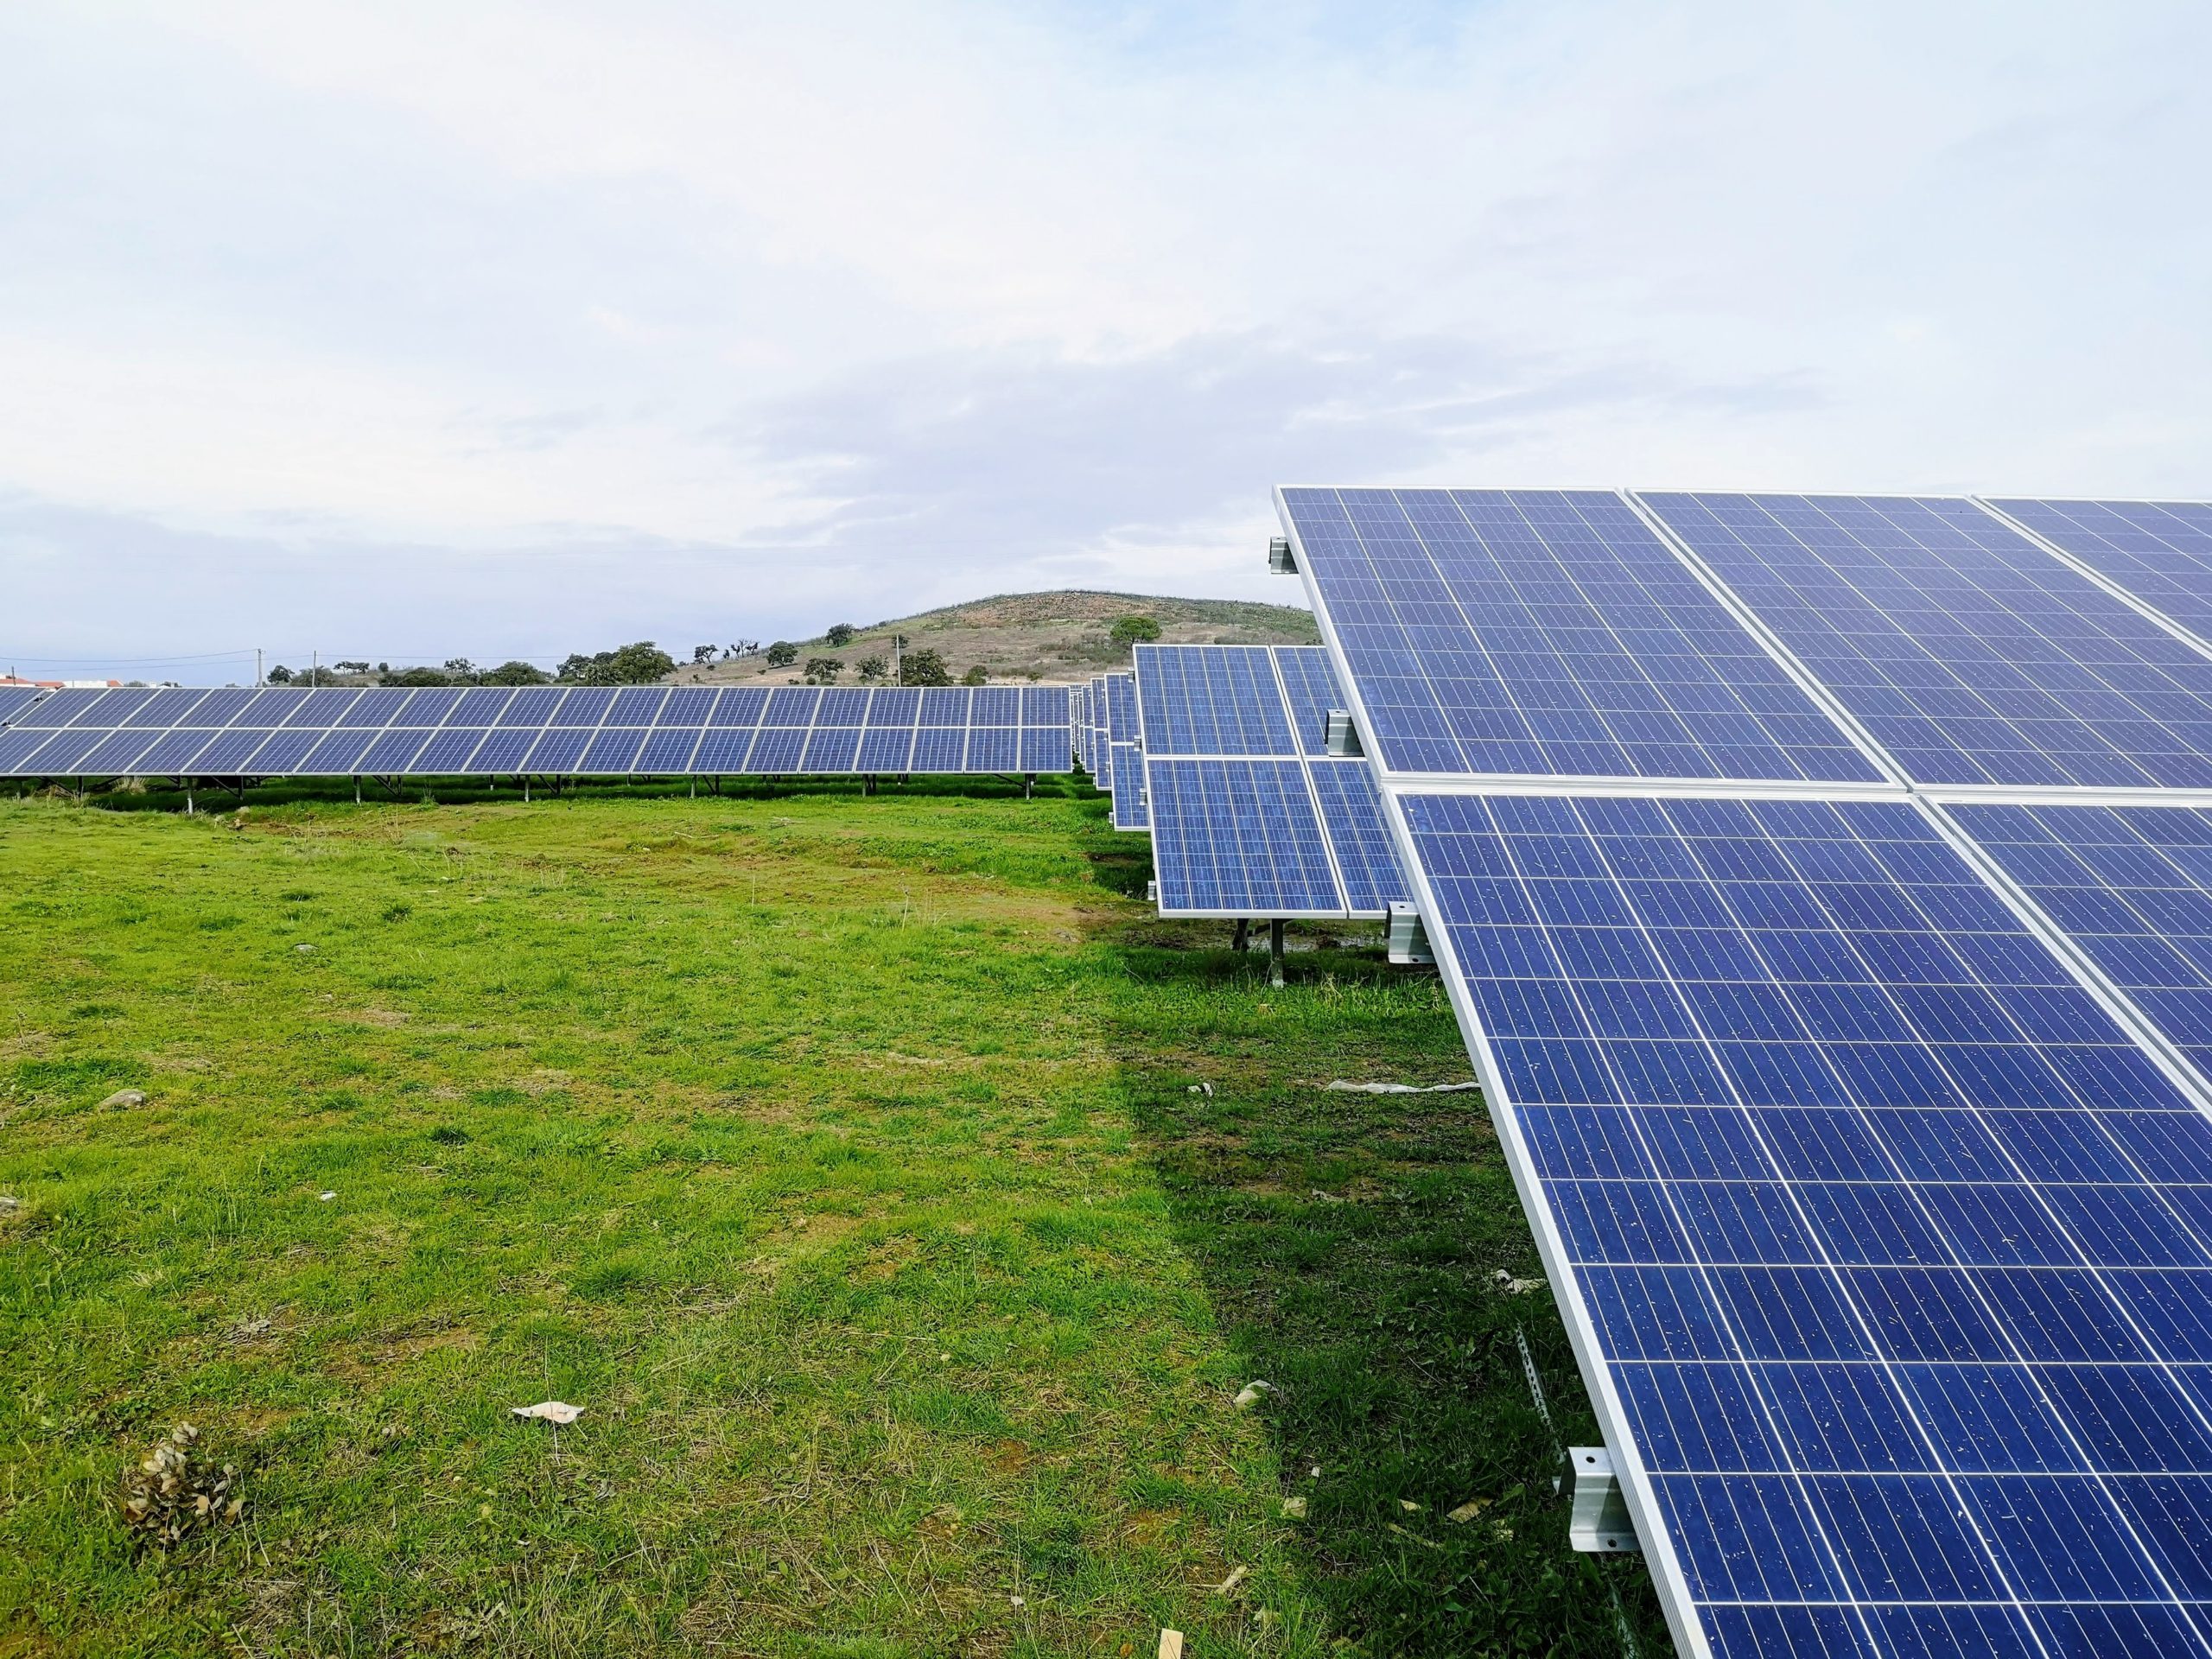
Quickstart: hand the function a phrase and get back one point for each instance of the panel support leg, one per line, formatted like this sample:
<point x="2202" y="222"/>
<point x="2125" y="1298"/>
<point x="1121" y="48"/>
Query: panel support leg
<point x="1242" y="939"/>
<point x="1275" y="952"/>
<point x="867" y="785"/>
<point x="188" y="801"/>
<point x="357" y="789"/>
<point x="1028" y="785"/>
<point x="525" y="789"/>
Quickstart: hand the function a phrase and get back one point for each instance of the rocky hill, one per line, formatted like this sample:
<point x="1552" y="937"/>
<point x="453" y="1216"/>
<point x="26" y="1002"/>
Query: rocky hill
<point x="1021" y="637"/>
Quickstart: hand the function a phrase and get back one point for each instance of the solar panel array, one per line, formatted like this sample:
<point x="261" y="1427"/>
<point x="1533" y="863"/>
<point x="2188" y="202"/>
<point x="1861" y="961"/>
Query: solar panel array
<point x="2159" y="551"/>
<point x="1249" y="816"/>
<point x="544" y="730"/>
<point x="1855" y="1085"/>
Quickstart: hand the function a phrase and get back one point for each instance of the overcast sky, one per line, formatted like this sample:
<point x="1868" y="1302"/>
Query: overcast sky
<point x="405" y="331"/>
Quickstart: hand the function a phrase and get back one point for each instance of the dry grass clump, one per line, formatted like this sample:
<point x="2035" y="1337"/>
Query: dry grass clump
<point x="173" y="1491"/>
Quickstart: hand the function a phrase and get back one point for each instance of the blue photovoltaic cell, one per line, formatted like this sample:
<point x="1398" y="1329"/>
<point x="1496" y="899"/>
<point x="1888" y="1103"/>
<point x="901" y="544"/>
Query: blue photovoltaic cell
<point x="1122" y="709"/>
<point x="229" y="749"/>
<point x="844" y="706"/>
<point x="113" y="708"/>
<point x="945" y="705"/>
<point x="1310" y="683"/>
<point x="994" y="748"/>
<point x="830" y="748"/>
<point x="116" y="751"/>
<point x="336" y="754"/>
<point x="895" y="706"/>
<point x="2132" y="887"/>
<point x="477" y="708"/>
<point x="1044" y="748"/>
<point x="886" y="749"/>
<point x="636" y="705"/>
<point x="668" y="749"/>
<point x="775" y="750"/>
<point x="1045" y="705"/>
<point x="428" y="707"/>
<point x="2160" y="551"/>
<point x="504" y="750"/>
<point x="687" y="705"/>
<point x="19" y="747"/>
<point x="996" y="705"/>
<point x="557" y="749"/>
<point x="940" y="748"/>
<point x="319" y="709"/>
<point x="374" y="708"/>
<point x="284" y="752"/>
<point x="1210" y="700"/>
<point x="14" y="699"/>
<point x="1892" y="1244"/>
<point x="723" y="749"/>
<point x="64" y="750"/>
<point x="613" y="750"/>
<point x="1127" y="764"/>
<point x="449" y="749"/>
<point x="1972" y="655"/>
<point x="533" y="706"/>
<point x="586" y="706"/>
<point x="1351" y="815"/>
<point x="59" y="709"/>
<point x="1238" y="838"/>
<point x="1550" y="633"/>
<point x="742" y="705"/>
<point x="391" y="753"/>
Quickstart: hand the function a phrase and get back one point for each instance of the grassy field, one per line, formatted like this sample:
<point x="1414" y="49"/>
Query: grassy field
<point x="852" y="1164"/>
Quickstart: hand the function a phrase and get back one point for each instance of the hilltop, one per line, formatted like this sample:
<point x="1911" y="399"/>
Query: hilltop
<point x="1055" y="636"/>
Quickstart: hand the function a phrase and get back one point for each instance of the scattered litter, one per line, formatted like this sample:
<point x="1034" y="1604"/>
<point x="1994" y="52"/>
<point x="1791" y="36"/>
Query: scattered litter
<point x="1201" y="1089"/>
<point x="304" y="950"/>
<point x="1228" y="1586"/>
<point x="1294" y="1508"/>
<point x="1425" y="1543"/>
<point x="324" y="1198"/>
<point x="171" y="1492"/>
<point x="552" y="1411"/>
<point x="1410" y="1506"/>
<point x="947" y="1358"/>
<point x="1171" y="1644"/>
<point x="1343" y="1087"/>
<point x="1252" y="1393"/>
<point x="1326" y="1197"/>
<point x="1267" y="1618"/>
<point x="1468" y="1511"/>
<point x="1017" y="1601"/>
<point x="9" y="1204"/>
<point x="1314" y="1473"/>
<point x="1512" y="1287"/>
<point x="125" y="1097"/>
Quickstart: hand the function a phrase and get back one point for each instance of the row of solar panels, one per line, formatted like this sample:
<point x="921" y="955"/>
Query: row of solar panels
<point x="1588" y="633"/>
<point x="1867" y="1131"/>
<point x="636" y="730"/>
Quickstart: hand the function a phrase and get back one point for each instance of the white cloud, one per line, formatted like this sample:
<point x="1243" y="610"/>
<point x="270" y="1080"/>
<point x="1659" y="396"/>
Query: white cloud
<point x="608" y="303"/>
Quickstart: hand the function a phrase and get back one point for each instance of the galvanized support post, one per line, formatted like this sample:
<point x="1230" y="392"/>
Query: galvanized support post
<point x="1275" y="952"/>
<point x="1242" y="939"/>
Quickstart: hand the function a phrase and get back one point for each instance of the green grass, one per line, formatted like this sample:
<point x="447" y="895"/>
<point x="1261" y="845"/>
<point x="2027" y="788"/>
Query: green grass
<point x="840" y="1157"/>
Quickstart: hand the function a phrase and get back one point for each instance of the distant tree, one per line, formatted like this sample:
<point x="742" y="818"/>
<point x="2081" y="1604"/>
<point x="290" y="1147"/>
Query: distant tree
<point x="280" y="674"/>
<point x="702" y="654"/>
<point x="515" y="671"/>
<point x="418" y="677"/>
<point x="384" y="668"/>
<point x="353" y="668"/>
<point x="315" y="676"/>
<point x="782" y="654"/>
<point x="462" y="672"/>
<point x="924" y="668"/>
<point x="975" y="677"/>
<point x="840" y="634"/>
<point x="823" y="671"/>
<point x="873" y="670"/>
<point x="638" y="664"/>
<point x="1130" y="629"/>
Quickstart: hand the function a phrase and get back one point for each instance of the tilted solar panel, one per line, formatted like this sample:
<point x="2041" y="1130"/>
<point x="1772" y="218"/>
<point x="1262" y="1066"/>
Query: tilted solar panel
<point x="2159" y="551"/>
<point x="14" y="699"/>
<point x="1885" y="1246"/>
<point x="1548" y="634"/>
<point x="1972" y="655"/>
<point x="1128" y="766"/>
<point x="2132" y="887"/>
<point x="1213" y="700"/>
<point x="1352" y="818"/>
<point x="1250" y="842"/>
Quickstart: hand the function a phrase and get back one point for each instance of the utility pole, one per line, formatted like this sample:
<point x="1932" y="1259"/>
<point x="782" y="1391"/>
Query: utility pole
<point x="898" y="659"/>
<point x="257" y="667"/>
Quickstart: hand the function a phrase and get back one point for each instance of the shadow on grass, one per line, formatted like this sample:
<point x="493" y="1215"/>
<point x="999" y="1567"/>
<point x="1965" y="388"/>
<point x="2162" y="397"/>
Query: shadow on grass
<point x="1351" y="1246"/>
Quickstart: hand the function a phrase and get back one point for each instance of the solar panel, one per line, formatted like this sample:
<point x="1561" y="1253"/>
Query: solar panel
<point x="1246" y="841"/>
<point x="2159" y="551"/>
<point x="595" y="730"/>
<point x="1127" y="763"/>
<point x="1548" y="634"/>
<point x="14" y="699"/>
<point x="2132" y="887"/>
<point x="1970" y="654"/>
<point x="1252" y="706"/>
<point x="1886" y="1242"/>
